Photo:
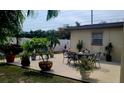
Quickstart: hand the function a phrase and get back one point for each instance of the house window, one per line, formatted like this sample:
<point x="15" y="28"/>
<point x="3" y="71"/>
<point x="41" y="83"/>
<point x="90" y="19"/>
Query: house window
<point x="97" y="38"/>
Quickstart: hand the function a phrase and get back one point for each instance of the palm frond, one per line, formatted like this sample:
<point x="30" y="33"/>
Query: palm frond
<point x="52" y="14"/>
<point x="30" y="13"/>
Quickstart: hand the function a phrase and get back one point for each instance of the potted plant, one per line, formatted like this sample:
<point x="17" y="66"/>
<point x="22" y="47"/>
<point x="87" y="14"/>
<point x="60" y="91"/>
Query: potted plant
<point x="42" y="48"/>
<point x="108" y="50"/>
<point x="10" y="51"/>
<point x="45" y="64"/>
<point x="33" y="49"/>
<point x="86" y="67"/>
<point x="80" y="45"/>
<point x="25" y="59"/>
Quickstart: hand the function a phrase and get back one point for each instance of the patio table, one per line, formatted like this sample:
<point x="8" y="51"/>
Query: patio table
<point x="76" y="57"/>
<point x="80" y="55"/>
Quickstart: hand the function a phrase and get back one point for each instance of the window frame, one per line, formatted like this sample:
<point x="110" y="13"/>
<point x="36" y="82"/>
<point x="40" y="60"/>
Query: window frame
<point x="93" y="37"/>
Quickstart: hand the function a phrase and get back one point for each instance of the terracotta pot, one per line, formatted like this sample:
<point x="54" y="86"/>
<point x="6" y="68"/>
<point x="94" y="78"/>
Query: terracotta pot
<point x="46" y="65"/>
<point x="85" y="74"/>
<point x="10" y="58"/>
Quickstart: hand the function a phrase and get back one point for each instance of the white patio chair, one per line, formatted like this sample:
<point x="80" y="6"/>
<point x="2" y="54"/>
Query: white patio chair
<point x="98" y="58"/>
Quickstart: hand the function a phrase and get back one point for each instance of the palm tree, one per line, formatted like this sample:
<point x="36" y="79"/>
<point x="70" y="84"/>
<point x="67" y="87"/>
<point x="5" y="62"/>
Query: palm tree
<point x="53" y="40"/>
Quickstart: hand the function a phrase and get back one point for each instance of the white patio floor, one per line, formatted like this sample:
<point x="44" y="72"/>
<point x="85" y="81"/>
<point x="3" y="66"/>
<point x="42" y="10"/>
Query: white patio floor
<point x="108" y="73"/>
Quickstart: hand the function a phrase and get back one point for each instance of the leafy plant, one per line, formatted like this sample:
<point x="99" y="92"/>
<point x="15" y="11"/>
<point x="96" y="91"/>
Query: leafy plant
<point x="41" y="46"/>
<point x="25" y="61"/>
<point x="27" y="47"/>
<point x="80" y="45"/>
<point x="86" y="65"/>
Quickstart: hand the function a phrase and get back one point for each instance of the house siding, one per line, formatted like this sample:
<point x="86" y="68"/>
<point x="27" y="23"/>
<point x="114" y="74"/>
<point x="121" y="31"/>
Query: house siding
<point x="113" y="35"/>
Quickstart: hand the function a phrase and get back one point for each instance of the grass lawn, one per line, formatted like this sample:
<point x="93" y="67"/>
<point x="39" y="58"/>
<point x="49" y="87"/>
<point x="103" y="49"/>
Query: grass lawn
<point x="15" y="74"/>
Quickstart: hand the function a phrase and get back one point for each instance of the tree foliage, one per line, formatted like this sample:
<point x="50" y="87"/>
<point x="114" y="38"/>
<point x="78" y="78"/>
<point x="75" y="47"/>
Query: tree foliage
<point x="43" y="34"/>
<point x="11" y="22"/>
<point x="39" y="45"/>
<point x="53" y="40"/>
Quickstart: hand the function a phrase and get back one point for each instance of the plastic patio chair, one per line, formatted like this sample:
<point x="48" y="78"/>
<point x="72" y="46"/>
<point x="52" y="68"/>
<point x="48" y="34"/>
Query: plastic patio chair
<point x="98" y="58"/>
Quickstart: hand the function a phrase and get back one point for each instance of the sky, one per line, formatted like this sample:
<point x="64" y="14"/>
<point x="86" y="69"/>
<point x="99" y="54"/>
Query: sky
<point x="69" y="17"/>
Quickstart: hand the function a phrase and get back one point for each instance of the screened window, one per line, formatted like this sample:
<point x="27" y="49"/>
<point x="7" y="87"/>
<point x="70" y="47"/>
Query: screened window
<point x="97" y="38"/>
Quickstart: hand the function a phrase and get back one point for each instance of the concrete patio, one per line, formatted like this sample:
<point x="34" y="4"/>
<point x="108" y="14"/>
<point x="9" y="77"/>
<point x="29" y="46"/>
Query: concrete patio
<point x="108" y="73"/>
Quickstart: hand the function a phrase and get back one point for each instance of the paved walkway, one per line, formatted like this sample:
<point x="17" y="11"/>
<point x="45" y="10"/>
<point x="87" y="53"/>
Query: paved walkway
<point x="109" y="72"/>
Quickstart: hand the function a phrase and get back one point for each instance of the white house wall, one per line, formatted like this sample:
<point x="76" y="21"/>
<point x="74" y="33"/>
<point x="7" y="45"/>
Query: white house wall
<point x="113" y="35"/>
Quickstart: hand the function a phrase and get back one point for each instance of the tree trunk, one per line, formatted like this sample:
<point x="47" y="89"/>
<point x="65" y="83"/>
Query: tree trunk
<point x="17" y="40"/>
<point x="42" y="57"/>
